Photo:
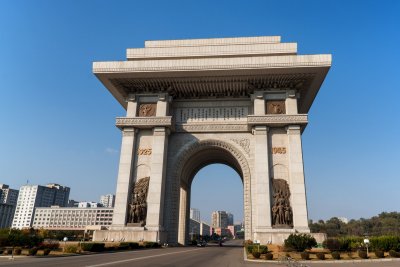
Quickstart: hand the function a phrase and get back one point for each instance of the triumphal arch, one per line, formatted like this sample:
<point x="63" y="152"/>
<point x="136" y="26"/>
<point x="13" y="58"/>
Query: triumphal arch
<point x="242" y="102"/>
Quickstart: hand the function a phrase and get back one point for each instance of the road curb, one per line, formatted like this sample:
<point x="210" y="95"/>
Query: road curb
<point x="324" y="261"/>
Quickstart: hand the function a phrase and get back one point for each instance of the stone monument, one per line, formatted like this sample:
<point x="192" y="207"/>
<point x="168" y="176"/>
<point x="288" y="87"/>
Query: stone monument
<point x="189" y="103"/>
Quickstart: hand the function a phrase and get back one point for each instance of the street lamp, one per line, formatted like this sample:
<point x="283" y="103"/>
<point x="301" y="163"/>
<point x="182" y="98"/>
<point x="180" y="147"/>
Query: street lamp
<point x="366" y="242"/>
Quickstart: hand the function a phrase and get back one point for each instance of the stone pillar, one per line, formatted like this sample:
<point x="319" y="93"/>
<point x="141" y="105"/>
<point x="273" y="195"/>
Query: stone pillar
<point x="183" y="207"/>
<point x="155" y="198"/>
<point x="258" y="103"/>
<point x="127" y="158"/>
<point x="296" y="177"/>
<point x="132" y="106"/>
<point x="291" y="102"/>
<point x="262" y="181"/>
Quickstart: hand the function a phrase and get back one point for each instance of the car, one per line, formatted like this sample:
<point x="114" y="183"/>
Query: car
<point x="201" y="243"/>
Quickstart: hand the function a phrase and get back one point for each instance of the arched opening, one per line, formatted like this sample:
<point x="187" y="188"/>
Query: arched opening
<point x="216" y="187"/>
<point x="199" y="155"/>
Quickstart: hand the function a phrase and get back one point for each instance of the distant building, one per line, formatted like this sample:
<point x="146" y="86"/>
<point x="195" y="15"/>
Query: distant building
<point x="343" y="219"/>
<point x="32" y="196"/>
<point x="229" y="218"/>
<point x="194" y="228"/>
<point x="205" y="229"/>
<point x="85" y="204"/>
<point x="219" y="219"/>
<point x="195" y="214"/>
<point x="59" y="218"/>
<point x="72" y="203"/>
<point x="6" y="215"/>
<point x="8" y="195"/>
<point x="222" y="231"/>
<point x="8" y="203"/>
<point x="108" y="200"/>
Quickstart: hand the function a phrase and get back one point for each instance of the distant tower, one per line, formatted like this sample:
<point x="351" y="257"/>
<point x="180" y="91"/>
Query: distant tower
<point x="219" y="219"/>
<point x="195" y="214"/>
<point x="230" y="218"/>
<point x="108" y="200"/>
<point x="33" y="196"/>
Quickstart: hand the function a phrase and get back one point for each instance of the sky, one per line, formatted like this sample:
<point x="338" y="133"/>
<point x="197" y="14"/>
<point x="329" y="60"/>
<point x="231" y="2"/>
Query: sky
<point x="57" y="121"/>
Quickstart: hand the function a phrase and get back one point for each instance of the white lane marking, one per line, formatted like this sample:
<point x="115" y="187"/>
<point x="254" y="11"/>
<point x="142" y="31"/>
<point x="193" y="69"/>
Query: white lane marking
<point x="141" y="258"/>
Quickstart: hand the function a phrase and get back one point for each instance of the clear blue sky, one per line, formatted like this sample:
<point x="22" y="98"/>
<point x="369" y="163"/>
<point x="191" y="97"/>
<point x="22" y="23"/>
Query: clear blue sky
<point x="57" y="120"/>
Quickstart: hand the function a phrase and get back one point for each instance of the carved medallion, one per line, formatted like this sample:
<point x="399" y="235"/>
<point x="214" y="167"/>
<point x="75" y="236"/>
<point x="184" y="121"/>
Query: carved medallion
<point x="276" y="107"/>
<point x="282" y="214"/>
<point x="147" y="110"/>
<point x="138" y="203"/>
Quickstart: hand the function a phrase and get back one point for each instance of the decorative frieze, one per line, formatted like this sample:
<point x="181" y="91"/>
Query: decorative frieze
<point x="277" y="120"/>
<point x="220" y="127"/>
<point x="143" y="123"/>
<point x="210" y="114"/>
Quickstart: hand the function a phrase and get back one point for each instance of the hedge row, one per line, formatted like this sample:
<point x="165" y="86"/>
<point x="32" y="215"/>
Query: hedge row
<point x="381" y="243"/>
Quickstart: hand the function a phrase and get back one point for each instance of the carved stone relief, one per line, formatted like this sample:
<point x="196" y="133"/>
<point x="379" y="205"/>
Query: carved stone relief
<point x="147" y="110"/>
<point x="138" y="202"/>
<point x="244" y="143"/>
<point x="276" y="107"/>
<point x="282" y="214"/>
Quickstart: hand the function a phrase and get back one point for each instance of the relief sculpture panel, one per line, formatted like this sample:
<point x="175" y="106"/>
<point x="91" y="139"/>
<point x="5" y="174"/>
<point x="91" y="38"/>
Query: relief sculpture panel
<point x="276" y="107"/>
<point x="147" y="110"/>
<point x="138" y="203"/>
<point x="282" y="215"/>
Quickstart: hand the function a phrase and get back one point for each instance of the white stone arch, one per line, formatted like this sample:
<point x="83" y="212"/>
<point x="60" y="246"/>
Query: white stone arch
<point x="191" y="159"/>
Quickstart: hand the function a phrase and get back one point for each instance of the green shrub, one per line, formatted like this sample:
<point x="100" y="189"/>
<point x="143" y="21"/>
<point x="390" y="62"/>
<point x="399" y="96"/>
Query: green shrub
<point x="32" y="251"/>
<point x="149" y="244"/>
<point x="379" y="254"/>
<point x="93" y="247"/>
<point x="256" y="254"/>
<point x="46" y="251"/>
<point x="17" y="251"/>
<point x="362" y="254"/>
<point x="193" y="243"/>
<point x="336" y="255"/>
<point x="9" y="251"/>
<point x="52" y="245"/>
<point x="321" y="255"/>
<point x="305" y="255"/>
<point x="263" y="249"/>
<point x="300" y="242"/>
<point x="385" y="243"/>
<point x="133" y="245"/>
<point x="269" y="256"/>
<point x="249" y="248"/>
<point x="394" y="254"/>
<point x="70" y="249"/>
<point x="333" y="244"/>
<point x="123" y="246"/>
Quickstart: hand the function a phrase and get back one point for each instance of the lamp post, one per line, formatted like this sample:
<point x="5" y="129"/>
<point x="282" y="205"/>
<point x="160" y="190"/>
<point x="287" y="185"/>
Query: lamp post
<point x="366" y="242"/>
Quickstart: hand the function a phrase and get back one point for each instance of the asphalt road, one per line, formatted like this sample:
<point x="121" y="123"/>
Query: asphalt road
<point x="230" y="255"/>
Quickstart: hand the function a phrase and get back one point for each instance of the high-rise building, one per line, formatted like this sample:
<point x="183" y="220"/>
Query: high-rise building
<point x="195" y="214"/>
<point x="219" y="219"/>
<point x="205" y="229"/>
<point x="230" y="218"/>
<point x="107" y="200"/>
<point x="8" y="195"/>
<point x="6" y="215"/>
<point x="32" y="196"/>
<point x="8" y="202"/>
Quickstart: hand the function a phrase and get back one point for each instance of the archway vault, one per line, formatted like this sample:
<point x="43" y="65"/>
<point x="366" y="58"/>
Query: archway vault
<point x="199" y="154"/>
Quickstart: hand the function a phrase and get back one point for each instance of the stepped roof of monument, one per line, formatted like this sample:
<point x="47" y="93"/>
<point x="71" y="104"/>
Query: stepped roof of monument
<point x="213" y="67"/>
